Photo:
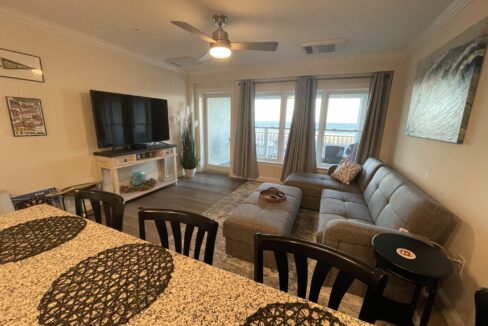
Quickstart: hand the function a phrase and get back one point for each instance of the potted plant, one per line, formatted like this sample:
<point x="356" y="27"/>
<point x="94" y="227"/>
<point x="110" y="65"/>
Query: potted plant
<point x="188" y="156"/>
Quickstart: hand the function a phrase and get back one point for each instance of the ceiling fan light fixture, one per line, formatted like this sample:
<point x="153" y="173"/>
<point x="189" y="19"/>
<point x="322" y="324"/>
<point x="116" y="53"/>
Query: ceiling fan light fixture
<point x="220" y="51"/>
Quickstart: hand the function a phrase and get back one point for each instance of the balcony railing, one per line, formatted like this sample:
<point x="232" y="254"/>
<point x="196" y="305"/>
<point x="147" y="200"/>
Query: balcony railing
<point x="335" y="143"/>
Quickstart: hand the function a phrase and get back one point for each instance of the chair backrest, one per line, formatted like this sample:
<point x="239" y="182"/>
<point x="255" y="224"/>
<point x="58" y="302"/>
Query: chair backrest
<point x="327" y="258"/>
<point x="113" y="206"/>
<point x="481" y="303"/>
<point x="175" y="218"/>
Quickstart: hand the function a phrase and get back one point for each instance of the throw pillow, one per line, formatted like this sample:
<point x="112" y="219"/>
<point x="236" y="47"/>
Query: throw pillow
<point x="346" y="171"/>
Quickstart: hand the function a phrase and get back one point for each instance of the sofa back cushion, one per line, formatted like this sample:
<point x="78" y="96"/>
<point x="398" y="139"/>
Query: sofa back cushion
<point x="367" y="172"/>
<point x="395" y="202"/>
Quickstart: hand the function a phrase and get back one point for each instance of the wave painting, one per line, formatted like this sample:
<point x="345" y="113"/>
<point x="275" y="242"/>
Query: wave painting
<point x="445" y="86"/>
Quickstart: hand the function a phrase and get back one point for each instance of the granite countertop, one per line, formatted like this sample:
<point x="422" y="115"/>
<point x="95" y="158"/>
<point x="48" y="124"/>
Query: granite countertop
<point x="197" y="293"/>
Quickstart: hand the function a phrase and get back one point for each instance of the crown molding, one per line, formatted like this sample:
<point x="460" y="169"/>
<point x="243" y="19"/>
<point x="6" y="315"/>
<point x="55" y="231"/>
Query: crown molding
<point x="299" y="64"/>
<point x="46" y="25"/>
<point x="452" y="10"/>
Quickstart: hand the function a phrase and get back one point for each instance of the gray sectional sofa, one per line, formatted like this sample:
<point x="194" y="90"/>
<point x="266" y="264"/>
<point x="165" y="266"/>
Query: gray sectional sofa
<point x="312" y="184"/>
<point x="380" y="200"/>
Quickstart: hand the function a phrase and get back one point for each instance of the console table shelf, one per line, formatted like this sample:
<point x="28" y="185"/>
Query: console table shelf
<point x="112" y="164"/>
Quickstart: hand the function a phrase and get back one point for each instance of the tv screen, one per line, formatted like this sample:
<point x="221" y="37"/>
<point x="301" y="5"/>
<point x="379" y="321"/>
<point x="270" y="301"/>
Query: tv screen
<point x="122" y="120"/>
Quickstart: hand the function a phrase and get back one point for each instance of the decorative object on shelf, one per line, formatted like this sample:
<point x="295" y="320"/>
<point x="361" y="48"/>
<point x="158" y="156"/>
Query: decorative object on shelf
<point x="26" y="116"/>
<point x="146" y="185"/>
<point x="445" y="87"/>
<point x="292" y="313"/>
<point x="138" y="178"/>
<point x="109" y="288"/>
<point x="20" y="65"/>
<point x="188" y="156"/>
<point x="28" y="239"/>
<point x="272" y="195"/>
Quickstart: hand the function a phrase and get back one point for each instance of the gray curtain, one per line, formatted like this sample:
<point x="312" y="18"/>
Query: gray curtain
<point x="379" y="94"/>
<point x="245" y="164"/>
<point x="300" y="152"/>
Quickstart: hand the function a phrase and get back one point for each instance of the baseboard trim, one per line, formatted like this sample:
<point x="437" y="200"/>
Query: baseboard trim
<point x="450" y="314"/>
<point x="269" y="180"/>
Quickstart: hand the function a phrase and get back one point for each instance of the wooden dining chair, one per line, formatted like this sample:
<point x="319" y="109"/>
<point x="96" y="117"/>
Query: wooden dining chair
<point x="113" y="207"/>
<point x="349" y="269"/>
<point x="481" y="303"/>
<point x="175" y="219"/>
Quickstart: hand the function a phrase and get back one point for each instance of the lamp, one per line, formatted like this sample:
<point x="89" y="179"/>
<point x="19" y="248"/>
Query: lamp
<point x="220" y="50"/>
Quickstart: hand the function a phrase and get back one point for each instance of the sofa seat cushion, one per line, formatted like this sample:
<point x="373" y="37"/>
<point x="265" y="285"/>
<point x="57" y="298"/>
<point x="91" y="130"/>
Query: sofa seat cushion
<point x="313" y="183"/>
<point x="346" y="205"/>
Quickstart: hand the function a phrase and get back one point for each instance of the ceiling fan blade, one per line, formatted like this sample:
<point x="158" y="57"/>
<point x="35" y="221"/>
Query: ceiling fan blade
<point x="258" y="46"/>
<point x="187" y="27"/>
<point x="204" y="57"/>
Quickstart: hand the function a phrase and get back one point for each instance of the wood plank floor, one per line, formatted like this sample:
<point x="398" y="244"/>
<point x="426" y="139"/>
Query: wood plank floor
<point x="195" y="195"/>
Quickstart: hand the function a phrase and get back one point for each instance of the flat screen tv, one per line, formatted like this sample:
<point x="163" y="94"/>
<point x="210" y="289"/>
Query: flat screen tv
<point x="125" y="120"/>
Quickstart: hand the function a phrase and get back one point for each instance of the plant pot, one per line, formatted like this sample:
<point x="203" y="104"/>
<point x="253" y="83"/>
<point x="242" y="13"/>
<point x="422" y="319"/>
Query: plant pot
<point x="190" y="172"/>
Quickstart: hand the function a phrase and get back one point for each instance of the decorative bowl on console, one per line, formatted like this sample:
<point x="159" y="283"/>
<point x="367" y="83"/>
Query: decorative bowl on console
<point x="138" y="178"/>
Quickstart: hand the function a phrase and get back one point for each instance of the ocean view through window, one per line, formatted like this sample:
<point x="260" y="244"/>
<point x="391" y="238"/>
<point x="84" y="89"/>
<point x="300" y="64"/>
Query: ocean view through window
<point x="339" y="120"/>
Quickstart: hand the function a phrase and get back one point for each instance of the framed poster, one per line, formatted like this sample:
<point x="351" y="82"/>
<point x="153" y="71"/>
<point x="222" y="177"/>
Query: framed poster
<point x="20" y="65"/>
<point x="445" y="87"/>
<point x="26" y="116"/>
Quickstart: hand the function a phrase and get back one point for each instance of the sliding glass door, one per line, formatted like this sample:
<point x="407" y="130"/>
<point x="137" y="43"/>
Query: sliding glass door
<point x="217" y="118"/>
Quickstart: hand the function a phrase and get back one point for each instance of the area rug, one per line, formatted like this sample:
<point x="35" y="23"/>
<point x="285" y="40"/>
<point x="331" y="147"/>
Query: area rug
<point x="305" y="227"/>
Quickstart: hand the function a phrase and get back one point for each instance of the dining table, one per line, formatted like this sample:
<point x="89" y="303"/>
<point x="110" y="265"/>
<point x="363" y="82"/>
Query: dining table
<point x="60" y="269"/>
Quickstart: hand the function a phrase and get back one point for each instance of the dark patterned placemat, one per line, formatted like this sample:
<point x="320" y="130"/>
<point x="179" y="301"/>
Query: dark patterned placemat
<point x="108" y="288"/>
<point x="34" y="237"/>
<point x="292" y="314"/>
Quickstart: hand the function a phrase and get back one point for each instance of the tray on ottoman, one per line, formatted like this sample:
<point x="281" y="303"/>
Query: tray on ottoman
<point x="254" y="215"/>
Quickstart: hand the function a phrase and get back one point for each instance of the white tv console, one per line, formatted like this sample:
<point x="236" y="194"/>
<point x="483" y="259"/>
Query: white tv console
<point x="111" y="164"/>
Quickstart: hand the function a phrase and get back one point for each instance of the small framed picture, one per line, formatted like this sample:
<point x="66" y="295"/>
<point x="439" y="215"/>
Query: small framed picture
<point x="20" y="65"/>
<point x="26" y="116"/>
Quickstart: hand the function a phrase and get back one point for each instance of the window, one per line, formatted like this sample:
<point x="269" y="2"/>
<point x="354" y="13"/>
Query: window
<point x="339" y="120"/>
<point x="272" y="119"/>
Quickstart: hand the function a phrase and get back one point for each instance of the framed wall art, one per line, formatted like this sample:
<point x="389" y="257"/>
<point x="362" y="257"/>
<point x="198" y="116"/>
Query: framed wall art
<point x="20" y="65"/>
<point x="26" y="116"/>
<point x="445" y="87"/>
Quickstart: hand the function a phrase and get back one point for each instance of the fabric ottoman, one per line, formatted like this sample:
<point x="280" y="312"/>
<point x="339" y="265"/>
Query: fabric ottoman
<point x="255" y="215"/>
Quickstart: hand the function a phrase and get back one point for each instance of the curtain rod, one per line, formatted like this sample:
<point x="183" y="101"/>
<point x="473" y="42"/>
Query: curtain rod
<point x="362" y="76"/>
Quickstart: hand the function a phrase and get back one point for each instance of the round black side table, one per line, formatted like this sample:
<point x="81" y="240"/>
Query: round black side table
<point x="416" y="262"/>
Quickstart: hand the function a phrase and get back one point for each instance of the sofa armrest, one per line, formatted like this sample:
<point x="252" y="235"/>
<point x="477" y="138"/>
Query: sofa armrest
<point x="357" y="233"/>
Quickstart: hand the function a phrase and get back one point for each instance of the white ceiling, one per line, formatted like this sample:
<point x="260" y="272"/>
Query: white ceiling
<point x="143" y="26"/>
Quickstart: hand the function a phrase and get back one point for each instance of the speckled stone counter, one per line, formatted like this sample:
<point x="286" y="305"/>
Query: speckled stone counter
<point x="197" y="294"/>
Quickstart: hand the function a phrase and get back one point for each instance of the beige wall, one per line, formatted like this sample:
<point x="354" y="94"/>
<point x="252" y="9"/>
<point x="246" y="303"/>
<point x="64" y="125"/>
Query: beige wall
<point x="457" y="175"/>
<point x="337" y="65"/>
<point x="72" y="67"/>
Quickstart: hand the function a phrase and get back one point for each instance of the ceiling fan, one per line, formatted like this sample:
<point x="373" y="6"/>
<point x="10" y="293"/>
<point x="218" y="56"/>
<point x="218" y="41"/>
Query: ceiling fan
<point x="220" y="45"/>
